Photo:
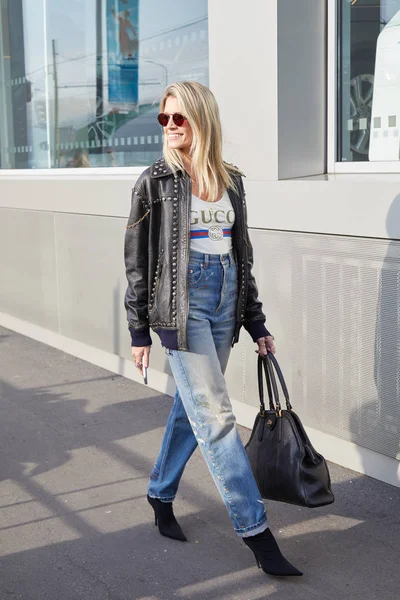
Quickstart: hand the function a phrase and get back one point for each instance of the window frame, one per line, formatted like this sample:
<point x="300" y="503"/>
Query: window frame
<point x="89" y="173"/>
<point x="121" y="172"/>
<point x="333" y="165"/>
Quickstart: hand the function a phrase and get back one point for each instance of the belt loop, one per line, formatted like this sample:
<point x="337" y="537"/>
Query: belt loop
<point x="206" y="259"/>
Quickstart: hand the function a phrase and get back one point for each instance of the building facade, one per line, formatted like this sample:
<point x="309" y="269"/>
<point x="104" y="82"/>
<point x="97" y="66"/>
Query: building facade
<point x="308" y="93"/>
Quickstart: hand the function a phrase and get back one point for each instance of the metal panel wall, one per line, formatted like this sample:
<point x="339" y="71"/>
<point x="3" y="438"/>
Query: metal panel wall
<point x="28" y="273"/>
<point x="333" y="304"/>
<point x="92" y="284"/>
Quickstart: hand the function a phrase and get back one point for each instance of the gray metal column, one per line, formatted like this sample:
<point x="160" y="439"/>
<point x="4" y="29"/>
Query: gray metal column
<point x="6" y="121"/>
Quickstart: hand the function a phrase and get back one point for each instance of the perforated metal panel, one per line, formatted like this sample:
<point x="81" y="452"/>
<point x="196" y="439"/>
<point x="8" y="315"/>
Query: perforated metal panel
<point x="336" y="304"/>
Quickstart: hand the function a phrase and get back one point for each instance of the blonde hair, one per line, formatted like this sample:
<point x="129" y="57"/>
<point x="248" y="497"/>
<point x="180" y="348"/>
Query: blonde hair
<point x="197" y="103"/>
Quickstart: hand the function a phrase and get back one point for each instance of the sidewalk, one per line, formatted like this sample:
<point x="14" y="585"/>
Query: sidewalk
<point x="77" y="444"/>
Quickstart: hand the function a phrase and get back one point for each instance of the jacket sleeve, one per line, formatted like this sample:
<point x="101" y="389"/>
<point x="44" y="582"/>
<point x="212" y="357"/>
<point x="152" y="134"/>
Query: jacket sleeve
<point x="254" y="318"/>
<point x="136" y="264"/>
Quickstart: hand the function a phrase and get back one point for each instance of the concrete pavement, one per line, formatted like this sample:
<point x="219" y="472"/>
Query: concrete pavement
<point x="77" y="444"/>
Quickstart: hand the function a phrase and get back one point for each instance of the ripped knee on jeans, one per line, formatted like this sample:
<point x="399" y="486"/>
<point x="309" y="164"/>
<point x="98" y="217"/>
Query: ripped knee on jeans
<point x="202" y="401"/>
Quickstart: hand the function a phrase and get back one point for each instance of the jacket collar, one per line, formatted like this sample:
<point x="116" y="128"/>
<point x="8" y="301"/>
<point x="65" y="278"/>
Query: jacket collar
<point x="160" y="169"/>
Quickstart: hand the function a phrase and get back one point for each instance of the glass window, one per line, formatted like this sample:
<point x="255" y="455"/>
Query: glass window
<point x="369" y="80"/>
<point x="80" y="80"/>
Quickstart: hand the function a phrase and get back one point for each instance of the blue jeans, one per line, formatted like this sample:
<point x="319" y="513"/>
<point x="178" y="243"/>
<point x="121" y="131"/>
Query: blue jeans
<point x="202" y="412"/>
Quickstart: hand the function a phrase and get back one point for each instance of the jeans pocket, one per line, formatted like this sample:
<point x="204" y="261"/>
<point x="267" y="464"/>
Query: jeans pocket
<point x="195" y="273"/>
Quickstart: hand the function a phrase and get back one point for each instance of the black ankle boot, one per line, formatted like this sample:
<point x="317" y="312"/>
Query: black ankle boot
<point x="268" y="556"/>
<point x="164" y="517"/>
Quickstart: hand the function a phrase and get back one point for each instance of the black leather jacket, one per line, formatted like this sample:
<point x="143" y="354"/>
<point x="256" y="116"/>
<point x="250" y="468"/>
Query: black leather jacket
<point x="157" y="254"/>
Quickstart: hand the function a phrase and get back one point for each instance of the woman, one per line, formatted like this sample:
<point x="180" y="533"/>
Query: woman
<point x="188" y="262"/>
<point x="128" y="39"/>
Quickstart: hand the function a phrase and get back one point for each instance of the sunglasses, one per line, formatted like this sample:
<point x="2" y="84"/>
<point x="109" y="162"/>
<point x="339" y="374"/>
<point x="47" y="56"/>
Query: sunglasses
<point x="177" y="118"/>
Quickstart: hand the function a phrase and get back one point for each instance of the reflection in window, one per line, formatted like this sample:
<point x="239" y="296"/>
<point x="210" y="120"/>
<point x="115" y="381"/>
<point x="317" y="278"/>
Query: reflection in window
<point x="80" y="80"/>
<point x="368" y="99"/>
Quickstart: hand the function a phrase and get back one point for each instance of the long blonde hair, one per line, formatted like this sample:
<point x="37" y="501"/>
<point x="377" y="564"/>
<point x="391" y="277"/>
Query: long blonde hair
<point x="197" y="103"/>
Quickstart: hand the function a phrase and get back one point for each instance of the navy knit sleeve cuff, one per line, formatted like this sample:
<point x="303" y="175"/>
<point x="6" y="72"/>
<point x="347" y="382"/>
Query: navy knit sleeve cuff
<point x="140" y="337"/>
<point x="256" y="329"/>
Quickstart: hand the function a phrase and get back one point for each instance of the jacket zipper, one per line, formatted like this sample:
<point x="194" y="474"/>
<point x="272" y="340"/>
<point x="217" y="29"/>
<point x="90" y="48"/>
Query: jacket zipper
<point x="239" y="236"/>
<point x="189" y="199"/>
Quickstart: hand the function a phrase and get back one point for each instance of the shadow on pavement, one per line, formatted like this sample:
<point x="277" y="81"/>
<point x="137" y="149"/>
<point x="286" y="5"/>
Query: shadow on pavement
<point x="77" y="446"/>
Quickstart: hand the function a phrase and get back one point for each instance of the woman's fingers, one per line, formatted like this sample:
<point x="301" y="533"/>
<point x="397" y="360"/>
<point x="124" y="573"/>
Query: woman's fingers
<point x="266" y="344"/>
<point x="137" y="355"/>
<point x="270" y="344"/>
<point x="262" y="346"/>
<point x="146" y="357"/>
<point x="140" y="357"/>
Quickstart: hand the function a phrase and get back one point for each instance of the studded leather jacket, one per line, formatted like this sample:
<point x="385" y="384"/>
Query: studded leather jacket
<point x="157" y="244"/>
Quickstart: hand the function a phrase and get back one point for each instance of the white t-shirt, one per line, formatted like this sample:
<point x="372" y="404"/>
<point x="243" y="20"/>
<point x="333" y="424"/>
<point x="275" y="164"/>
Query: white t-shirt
<point x="211" y="225"/>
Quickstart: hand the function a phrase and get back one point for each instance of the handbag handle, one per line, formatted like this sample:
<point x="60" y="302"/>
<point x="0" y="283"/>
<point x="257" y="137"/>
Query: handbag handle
<point x="270" y="375"/>
<point x="273" y="364"/>
<point x="272" y="388"/>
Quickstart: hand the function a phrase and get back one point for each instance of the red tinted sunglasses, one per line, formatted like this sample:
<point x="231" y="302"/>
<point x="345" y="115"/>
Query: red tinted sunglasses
<point x="177" y="118"/>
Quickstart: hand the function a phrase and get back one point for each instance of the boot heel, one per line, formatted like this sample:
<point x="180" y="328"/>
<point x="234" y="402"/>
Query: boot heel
<point x="257" y="559"/>
<point x="268" y="556"/>
<point x="165" y="520"/>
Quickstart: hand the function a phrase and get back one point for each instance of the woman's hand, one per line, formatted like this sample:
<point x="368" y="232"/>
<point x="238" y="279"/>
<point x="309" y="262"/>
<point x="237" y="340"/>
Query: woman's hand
<point x="266" y="344"/>
<point x="141" y="357"/>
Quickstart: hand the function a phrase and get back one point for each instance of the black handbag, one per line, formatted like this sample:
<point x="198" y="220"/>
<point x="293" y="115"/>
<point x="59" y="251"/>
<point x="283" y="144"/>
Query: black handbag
<point x="286" y="466"/>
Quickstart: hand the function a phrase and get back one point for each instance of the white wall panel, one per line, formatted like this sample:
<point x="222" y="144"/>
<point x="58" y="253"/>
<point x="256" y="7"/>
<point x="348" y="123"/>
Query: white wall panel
<point x="28" y="272"/>
<point x="92" y="284"/>
<point x="91" y="279"/>
<point x="357" y="205"/>
<point x="301" y="87"/>
<point x="80" y="194"/>
<point x="361" y="206"/>
<point x="243" y="76"/>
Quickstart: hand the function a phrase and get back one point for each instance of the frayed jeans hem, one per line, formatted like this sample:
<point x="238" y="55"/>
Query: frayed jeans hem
<point x="168" y="499"/>
<point x="253" y="529"/>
